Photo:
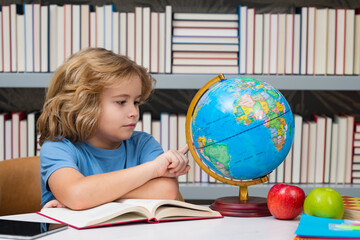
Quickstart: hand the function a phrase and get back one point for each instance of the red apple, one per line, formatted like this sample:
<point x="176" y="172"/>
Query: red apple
<point x="285" y="201"/>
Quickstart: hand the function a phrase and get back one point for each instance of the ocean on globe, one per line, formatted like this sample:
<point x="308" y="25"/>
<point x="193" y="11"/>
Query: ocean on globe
<point x="242" y="128"/>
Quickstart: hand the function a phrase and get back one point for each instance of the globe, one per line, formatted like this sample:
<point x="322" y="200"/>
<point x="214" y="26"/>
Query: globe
<point x="239" y="129"/>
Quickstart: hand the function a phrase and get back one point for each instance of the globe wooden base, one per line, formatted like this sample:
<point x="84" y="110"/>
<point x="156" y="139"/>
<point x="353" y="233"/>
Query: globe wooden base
<point x="233" y="206"/>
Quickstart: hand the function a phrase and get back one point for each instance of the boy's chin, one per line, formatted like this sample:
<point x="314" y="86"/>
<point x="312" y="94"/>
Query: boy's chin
<point x="127" y="135"/>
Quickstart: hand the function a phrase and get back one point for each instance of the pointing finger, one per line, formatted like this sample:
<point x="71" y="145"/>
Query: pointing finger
<point x="184" y="149"/>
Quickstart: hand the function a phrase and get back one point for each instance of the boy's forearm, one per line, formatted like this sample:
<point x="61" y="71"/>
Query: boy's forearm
<point x="158" y="188"/>
<point x="86" y="192"/>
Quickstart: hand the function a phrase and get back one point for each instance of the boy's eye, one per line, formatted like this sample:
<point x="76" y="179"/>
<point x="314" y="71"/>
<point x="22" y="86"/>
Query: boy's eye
<point x="123" y="102"/>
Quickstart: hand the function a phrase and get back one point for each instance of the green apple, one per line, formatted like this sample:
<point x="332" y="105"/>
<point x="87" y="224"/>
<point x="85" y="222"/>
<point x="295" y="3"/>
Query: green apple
<point x="324" y="202"/>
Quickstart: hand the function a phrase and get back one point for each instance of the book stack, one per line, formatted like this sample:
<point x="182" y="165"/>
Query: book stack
<point x="205" y="43"/>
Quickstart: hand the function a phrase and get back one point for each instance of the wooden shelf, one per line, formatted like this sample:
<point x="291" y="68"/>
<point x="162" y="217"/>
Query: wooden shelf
<point x="208" y="191"/>
<point x="196" y="81"/>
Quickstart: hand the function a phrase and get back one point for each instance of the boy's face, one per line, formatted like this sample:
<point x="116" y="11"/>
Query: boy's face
<point x="120" y="113"/>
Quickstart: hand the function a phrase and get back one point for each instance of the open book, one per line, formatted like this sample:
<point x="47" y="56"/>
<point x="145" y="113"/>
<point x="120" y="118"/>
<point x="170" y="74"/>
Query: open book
<point x="130" y="210"/>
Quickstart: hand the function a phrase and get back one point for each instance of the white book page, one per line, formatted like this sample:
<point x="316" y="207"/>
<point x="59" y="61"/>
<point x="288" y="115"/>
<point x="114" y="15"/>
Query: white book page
<point x="92" y="216"/>
<point x="177" y="212"/>
<point x="152" y="204"/>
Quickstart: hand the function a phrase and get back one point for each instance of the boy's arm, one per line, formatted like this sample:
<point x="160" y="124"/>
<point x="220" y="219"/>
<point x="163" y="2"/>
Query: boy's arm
<point x="157" y="188"/>
<point x="155" y="179"/>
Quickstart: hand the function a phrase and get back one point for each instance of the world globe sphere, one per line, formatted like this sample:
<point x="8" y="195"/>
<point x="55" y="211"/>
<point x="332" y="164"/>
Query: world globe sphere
<point x="240" y="129"/>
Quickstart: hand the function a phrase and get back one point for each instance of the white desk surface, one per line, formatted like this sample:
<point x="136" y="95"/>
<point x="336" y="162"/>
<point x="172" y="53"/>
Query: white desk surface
<point x="225" y="228"/>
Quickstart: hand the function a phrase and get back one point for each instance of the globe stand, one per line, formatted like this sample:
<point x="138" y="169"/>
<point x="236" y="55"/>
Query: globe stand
<point x="243" y="205"/>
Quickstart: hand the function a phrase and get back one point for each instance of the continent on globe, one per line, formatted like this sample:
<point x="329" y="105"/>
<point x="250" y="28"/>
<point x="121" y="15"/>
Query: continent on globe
<point x="217" y="154"/>
<point x="249" y="108"/>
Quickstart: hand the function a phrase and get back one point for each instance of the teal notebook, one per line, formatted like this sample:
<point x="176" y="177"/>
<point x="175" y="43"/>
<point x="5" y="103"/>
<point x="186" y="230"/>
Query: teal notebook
<point x="310" y="226"/>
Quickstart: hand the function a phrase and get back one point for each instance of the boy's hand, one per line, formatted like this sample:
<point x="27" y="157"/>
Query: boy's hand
<point x="172" y="163"/>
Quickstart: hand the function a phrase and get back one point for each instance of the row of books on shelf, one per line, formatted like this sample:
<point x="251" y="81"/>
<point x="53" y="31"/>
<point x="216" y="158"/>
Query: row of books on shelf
<point x="325" y="149"/>
<point x="39" y="38"/>
<point x="311" y="41"/>
<point x="18" y="135"/>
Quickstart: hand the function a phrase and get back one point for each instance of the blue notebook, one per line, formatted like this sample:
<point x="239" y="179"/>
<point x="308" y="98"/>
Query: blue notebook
<point x="310" y="226"/>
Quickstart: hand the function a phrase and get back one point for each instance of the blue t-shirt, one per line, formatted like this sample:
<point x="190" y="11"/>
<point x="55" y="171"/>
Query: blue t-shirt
<point x="89" y="160"/>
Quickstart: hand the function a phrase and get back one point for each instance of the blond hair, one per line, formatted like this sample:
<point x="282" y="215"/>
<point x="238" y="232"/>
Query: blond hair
<point x="72" y="105"/>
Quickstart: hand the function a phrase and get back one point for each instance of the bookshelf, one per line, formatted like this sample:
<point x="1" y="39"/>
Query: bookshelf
<point x="196" y="81"/>
<point x="13" y="81"/>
